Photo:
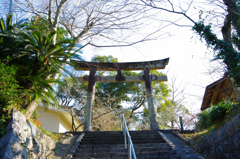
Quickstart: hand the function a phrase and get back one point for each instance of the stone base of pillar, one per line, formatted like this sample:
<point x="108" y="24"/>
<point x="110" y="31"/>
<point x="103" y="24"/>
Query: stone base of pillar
<point x="154" y="126"/>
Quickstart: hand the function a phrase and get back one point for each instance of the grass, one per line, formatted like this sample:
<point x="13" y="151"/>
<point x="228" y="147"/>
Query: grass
<point x="196" y="136"/>
<point x="55" y="136"/>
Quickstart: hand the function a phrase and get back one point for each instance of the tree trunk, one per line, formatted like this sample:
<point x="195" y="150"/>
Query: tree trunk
<point x="30" y="108"/>
<point x="172" y="123"/>
<point x="73" y="123"/>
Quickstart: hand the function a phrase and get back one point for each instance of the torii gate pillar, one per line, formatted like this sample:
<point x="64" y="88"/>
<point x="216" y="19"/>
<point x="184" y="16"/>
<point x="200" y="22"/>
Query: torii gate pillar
<point x="150" y="100"/>
<point x="90" y="100"/>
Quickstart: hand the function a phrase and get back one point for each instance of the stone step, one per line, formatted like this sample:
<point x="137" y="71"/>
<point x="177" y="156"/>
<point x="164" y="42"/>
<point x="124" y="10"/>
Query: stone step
<point x="152" y="157"/>
<point x="147" y="135"/>
<point x="121" y="136"/>
<point x="150" y="145"/>
<point x="119" y="142"/>
<point x="149" y="149"/>
<point x="143" y="132"/>
<point x="116" y="154"/>
<point x="147" y="141"/>
<point x="122" y="150"/>
<point x="120" y="133"/>
<point x="111" y="142"/>
<point x="162" y="157"/>
<point x="102" y="140"/>
<point x="122" y="145"/>
<point x="114" y="132"/>
<point x="137" y="136"/>
<point x="104" y="132"/>
<point x="103" y="136"/>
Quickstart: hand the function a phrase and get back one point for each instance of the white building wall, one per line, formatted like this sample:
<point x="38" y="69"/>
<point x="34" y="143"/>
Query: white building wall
<point x="64" y="126"/>
<point x="49" y="119"/>
<point x="57" y="121"/>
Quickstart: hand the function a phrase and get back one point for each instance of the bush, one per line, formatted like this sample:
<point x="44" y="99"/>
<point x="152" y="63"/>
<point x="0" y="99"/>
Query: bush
<point x="204" y="120"/>
<point x="9" y="94"/>
<point x="219" y="111"/>
<point x="213" y="115"/>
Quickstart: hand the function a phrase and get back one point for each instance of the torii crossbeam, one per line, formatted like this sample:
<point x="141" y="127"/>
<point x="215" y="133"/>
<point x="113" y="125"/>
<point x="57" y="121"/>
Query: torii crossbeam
<point x="120" y="67"/>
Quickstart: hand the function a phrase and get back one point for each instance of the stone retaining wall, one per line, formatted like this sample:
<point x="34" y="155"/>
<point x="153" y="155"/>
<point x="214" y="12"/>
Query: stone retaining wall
<point x="24" y="140"/>
<point x="224" y="143"/>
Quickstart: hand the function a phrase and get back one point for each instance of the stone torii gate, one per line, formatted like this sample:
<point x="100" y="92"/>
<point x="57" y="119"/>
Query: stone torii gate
<point x="120" y="67"/>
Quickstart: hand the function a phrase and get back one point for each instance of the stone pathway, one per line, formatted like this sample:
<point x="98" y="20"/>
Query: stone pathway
<point x="181" y="148"/>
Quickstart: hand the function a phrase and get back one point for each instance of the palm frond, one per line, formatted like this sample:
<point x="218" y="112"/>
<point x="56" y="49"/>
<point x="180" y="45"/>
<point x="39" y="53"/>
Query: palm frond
<point x="9" y="22"/>
<point x="2" y="25"/>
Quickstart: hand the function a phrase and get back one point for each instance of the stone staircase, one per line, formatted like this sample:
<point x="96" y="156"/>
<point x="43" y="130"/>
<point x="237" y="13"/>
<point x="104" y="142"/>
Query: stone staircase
<point x="110" y="144"/>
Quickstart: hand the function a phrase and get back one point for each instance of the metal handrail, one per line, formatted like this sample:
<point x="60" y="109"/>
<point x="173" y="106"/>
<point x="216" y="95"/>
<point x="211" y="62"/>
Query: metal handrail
<point x="126" y="134"/>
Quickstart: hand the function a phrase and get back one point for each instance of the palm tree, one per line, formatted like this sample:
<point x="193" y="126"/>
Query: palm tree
<point x="50" y="58"/>
<point x="36" y="58"/>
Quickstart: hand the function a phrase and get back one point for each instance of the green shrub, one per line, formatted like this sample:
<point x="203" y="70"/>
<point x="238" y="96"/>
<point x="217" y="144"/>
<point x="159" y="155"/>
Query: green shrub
<point x="219" y="111"/>
<point x="215" y="114"/>
<point x="204" y="120"/>
<point x="9" y="94"/>
<point x="34" y="115"/>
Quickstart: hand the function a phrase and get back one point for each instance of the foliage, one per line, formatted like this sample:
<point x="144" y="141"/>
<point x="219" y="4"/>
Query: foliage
<point x="36" y="57"/>
<point x="121" y="90"/>
<point x="35" y="118"/>
<point x="9" y="87"/>
<point x="213" y="115"/>
<point x="41" y="24"/>
<point x="226" y="49"/>
<point x="219" y="112"/>
<point x="204" y="120"/>
<point x="28" y="60"/>
<point x="72" y="92"/>
<point x="223" y="49"/>
<point x="9" y="94"/>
